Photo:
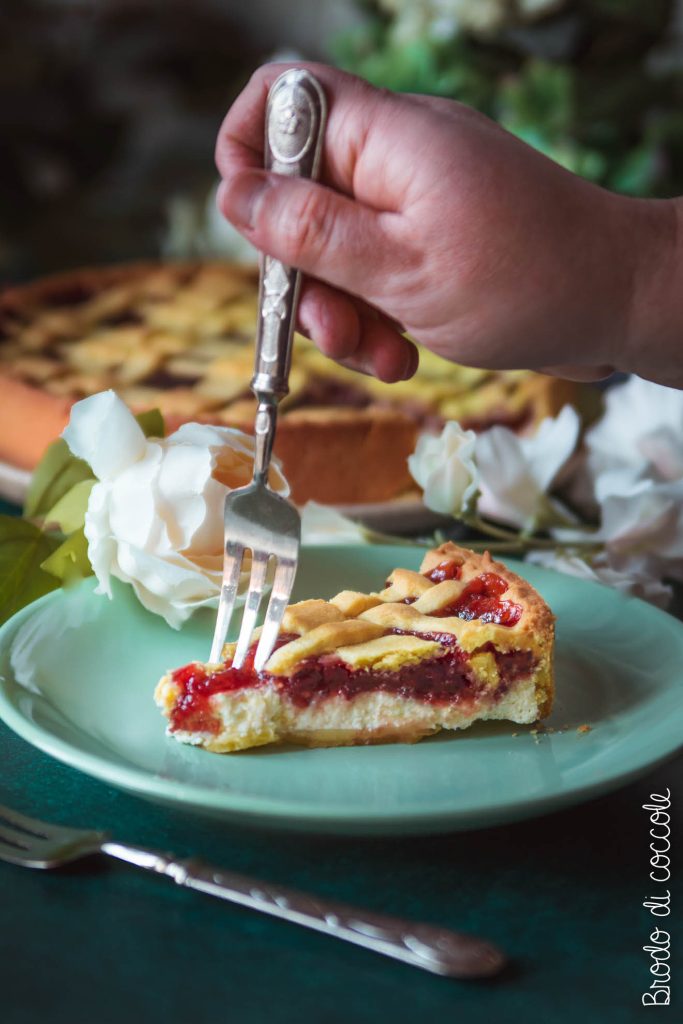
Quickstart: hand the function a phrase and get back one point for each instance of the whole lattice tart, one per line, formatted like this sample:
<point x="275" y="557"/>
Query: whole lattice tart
<point x="462" y="640"/>
<point x="180" y="337"/>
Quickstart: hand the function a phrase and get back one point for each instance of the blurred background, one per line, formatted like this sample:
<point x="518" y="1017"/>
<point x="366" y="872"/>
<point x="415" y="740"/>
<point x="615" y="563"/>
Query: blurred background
<point x="110" y="107"/>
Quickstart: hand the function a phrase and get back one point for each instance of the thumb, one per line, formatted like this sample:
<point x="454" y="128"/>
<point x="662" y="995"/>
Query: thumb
<point x="313" y="228"/>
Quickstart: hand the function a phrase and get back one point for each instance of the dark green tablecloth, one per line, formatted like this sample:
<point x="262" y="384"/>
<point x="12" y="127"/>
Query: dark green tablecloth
<point x="101" y="942"/>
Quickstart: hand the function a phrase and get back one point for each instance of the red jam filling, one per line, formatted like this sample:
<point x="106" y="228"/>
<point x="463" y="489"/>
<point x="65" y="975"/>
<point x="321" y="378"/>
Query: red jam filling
<point x="446" y="679"/>
<point x="448" y="570"/>
<point x="481" y="600"/>
<point x="192" y="710"/>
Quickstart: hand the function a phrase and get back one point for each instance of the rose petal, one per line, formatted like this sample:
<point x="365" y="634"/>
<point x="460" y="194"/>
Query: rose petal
<point x="646" y="517"/>
<point x="103" y="431"/>
<point x="635" y="411"/>
<point x="548" y="449"/>
<point x="180" y="495"/>
<point x="321" y="524"/>
<point x="227" y="445"/>
<point x="133" y="510"/>
<point x="509" y="492"/>
<point x="445" y="469"/>
<point x="101" y="543"/>
<point x="516" y="472"/>
<point x="170" y="589"/>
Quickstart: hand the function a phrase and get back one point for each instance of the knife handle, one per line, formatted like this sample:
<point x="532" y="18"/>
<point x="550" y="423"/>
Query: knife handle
<point x="437" y="950"/>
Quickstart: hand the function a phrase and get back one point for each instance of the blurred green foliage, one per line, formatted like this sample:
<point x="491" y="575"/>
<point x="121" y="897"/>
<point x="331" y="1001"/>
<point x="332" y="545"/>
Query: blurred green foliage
<point x="597" y="85"/>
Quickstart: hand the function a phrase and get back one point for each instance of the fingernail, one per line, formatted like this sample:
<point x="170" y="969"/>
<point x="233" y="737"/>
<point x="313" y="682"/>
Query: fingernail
<point x="412" y="363"/>
<point x="240" y="200"/>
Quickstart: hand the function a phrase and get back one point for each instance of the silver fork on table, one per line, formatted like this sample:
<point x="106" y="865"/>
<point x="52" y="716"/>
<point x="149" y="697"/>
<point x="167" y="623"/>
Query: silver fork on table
<point x="255" y="518"/>
<point x="36" y="844"/>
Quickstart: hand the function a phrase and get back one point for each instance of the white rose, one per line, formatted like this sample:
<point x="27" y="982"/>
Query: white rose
<point x="635" y="459"/>
<point x="642" y="429"/>
<point x="155" y="517"/>
<point x="445" y="469"/>
<point x="515" y="472"/>
<point x="641" y="515"/>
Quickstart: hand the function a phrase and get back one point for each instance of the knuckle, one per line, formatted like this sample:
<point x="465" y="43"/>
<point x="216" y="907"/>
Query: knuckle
<point x="383" y="94"/>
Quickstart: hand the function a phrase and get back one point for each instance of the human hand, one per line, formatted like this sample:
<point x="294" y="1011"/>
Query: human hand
<point x="432" y="219"/>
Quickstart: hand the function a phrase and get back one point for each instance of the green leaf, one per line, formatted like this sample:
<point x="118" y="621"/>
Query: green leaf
<point x="152" y="423"/>
<point x="23" y="549"/>
<point x="69" y="512"/>
<point x="57" y="472"/>
<point x="69" y="562"/>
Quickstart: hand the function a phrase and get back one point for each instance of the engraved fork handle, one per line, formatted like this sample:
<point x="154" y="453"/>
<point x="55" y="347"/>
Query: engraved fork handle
<point x="438" y="950"/>
<point x="296" y="113"/>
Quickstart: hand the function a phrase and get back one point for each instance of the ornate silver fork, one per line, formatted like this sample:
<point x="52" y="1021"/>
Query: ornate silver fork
<point x="35" y="844"/>
<point x="255" y="518"/>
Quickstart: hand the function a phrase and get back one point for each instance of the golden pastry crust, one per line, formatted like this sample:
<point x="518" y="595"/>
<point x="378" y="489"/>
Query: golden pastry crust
<point x="179" y="336"/>
<point x="537" y="622"/>
<point x="409" y="623"/>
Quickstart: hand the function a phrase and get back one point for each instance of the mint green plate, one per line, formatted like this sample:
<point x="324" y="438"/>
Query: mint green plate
<point x="77" y="673"/>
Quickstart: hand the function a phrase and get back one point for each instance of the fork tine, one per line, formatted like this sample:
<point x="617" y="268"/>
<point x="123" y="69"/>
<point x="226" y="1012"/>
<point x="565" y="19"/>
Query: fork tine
<point x="234" y="552"/>
<point x="12" y="839"/>
<point x="259" y="569"/>
<point x="12" y="852"/>
<point x="22" y="823"/>
<point x="279" y="599"/>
